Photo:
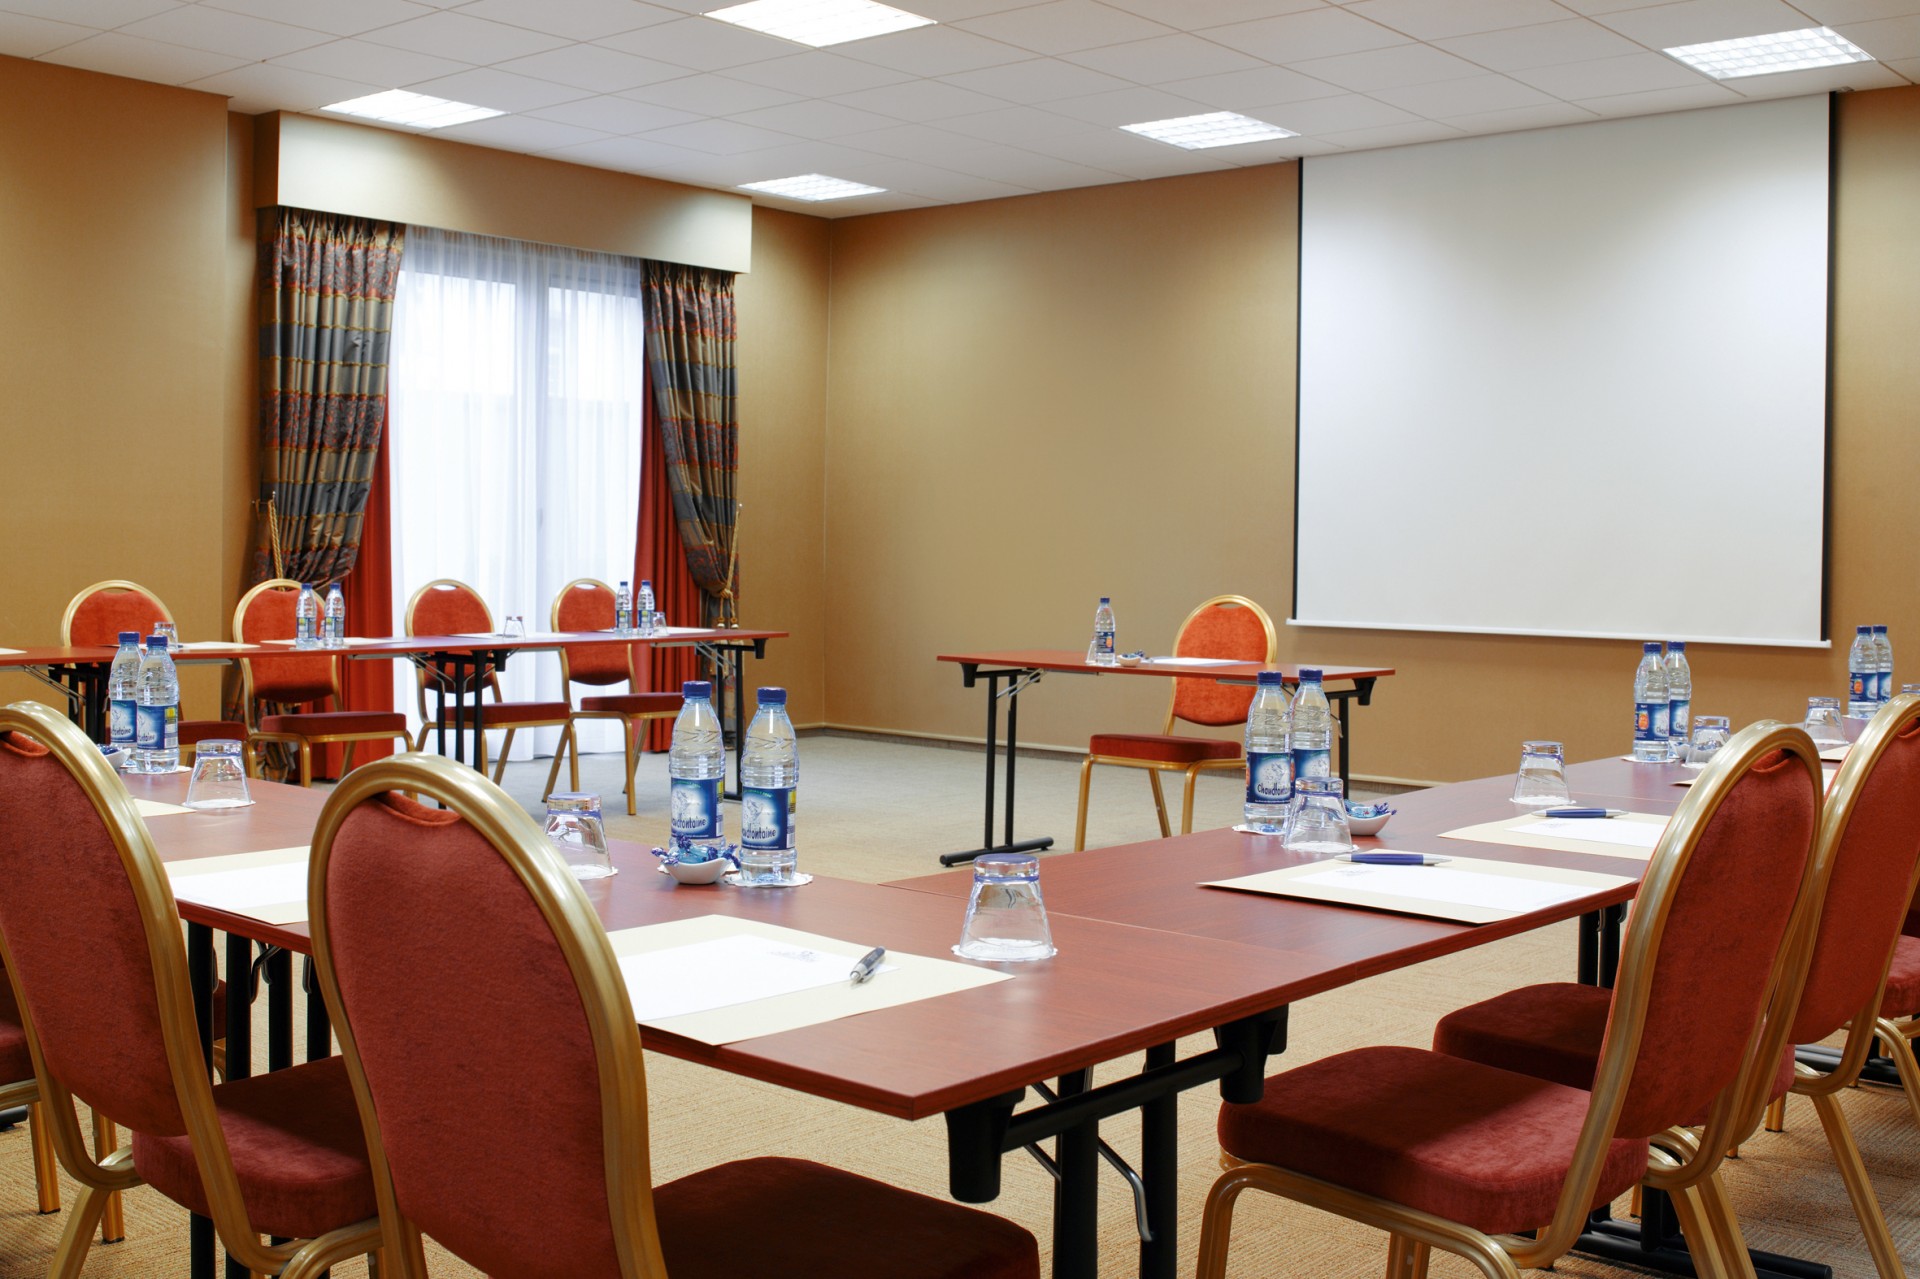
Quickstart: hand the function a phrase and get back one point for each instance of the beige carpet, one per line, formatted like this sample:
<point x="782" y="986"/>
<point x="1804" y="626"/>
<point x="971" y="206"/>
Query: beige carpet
<point x="879" y="811"/>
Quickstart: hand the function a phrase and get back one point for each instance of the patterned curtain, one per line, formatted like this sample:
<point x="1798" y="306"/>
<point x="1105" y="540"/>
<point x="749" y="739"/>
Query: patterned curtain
<point x="690" y="363"/>
<point x="326" y="311"/>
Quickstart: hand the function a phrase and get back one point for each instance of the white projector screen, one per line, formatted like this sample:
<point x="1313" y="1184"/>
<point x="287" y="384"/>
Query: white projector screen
<point x="1569" y="382"/>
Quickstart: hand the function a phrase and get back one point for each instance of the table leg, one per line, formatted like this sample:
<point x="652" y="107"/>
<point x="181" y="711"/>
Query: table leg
<point x="1076" y="1153"/>
<point x="1159" y="1173"/>
<point x="1016" y="680"/>
<point x="280" y="1010"/>
<point x="201" y="976"/>
<point x="737" y="657"/>
<point x="319" y="1025"/>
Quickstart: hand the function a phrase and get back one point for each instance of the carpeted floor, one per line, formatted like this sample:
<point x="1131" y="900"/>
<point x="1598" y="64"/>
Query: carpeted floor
<point x="883" y="810"/>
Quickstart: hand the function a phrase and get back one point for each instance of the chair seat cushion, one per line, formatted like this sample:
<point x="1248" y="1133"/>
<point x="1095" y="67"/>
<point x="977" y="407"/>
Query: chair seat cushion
<point x="812" y="1220"/>
<point x="632" y="704"/>
<point x="1482" y="1146"/>
<point x="195" y="731"/>
<point x="337" y="723"/>
<point x="508" y="714"/>
<point x="1552" y="1031"/>
<point x="1165" y="748"/>
<point x="297" y="1147"/>
<point x="1902" y="997"/>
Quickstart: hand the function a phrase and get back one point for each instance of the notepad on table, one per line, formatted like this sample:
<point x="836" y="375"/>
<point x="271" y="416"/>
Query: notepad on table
<point x="1195" y="661"/>
<point x="269" y="885"/>
<point x="1634" y="835"/>
<point x="158" y="808"/>
<point x="1468" y="890"/>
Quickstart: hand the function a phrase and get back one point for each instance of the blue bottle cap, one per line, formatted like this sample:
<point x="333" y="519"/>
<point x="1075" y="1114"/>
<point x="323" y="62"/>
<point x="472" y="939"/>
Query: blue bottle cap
<point x="772" y="696"/>
<point x="306" y="586"/>
<point x="1270" y="679"/>
<point x="1651" y="646"/>
<point x="1879" y="630"/>
<point x="129" y="637"/>
<point x="647" y="582"/>
<point x="1309" y="675"/>
<point x="1105" y="600"/>
<point x="156" y="643"/>
<point x="1676" y="646"/>
<point x="1863" y="630"/>
<point x="697" y="688"/>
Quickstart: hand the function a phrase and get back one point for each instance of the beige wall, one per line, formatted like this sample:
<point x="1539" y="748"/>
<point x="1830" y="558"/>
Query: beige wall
<point x="1040" y="400"/>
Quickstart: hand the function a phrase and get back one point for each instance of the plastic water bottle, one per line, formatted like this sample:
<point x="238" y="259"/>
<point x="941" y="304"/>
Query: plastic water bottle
<point x="1650" y="707"/>
<point x="645" y="606"/>
<point x="1863" y="673"/>
<point x="1679" y="699"/>
<point x="696" y="765"/>
<point x="623" y="610"/>
<point x="1269" y="766"/>
<point x="1884" y="647"/>
<point x="156" y="732"/>
<point x="1310" y="734"/>
<point x="333" y="632"/>
<point x="769" y="772"/>
<point x="123" y="683"/>
<point x="306" y="618"/>
<point x="1100" y="651"/>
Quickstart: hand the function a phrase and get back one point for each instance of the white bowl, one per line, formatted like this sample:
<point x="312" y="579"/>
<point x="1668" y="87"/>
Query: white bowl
<point x="699" y="872"/>
<point x="1129" y="659"/>
<point x="1368" y="825"/>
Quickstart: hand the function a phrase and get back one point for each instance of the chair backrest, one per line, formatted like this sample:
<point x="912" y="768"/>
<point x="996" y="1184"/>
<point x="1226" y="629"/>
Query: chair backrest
<point x="447" y="606"/>
<point x="1224" y="626"/>
<point x="100" y="612"/>
<point x="267" y="613"/>
<point x="586" y="604"/>
<point x="1719" y="920"/>
<point x="540" y="1037"/>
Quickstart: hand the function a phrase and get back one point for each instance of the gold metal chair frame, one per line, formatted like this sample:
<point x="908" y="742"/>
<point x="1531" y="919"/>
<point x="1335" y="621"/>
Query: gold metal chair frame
<point x="589" y="956"/>
<point x="423" y="677"/>
<point x="1684" y="1163"/>
<point x="250" y="707"/>
<point x="632" y="725"/>
<point x="1156" y="767"/>
<point x="160" y="921"/>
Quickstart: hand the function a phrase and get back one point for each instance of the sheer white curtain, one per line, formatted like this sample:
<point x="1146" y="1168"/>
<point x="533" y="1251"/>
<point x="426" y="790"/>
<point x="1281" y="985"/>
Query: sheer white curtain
<point x="517" y="384"/>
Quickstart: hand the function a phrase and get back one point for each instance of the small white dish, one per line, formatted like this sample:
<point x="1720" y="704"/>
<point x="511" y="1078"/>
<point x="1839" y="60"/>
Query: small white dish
<point x="1131" y="659"/>
<point x="1368" y="825"/>
<point x="708" y="872"/>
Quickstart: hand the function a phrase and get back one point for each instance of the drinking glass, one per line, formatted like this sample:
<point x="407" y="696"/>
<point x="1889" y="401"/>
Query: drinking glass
<point x="1317" y="821"/>
<point x="173" y="636"/>
<point x="1006" y="920"/>
<point x="1910" y="688"/>
<point x="1542" y="781"/>
<point x="219" y="776"/>
<point x="574" y="828"/>
<point x="1710" y="733"/>
<point x="516" y="627"/>
<point x="1823" y="722"/>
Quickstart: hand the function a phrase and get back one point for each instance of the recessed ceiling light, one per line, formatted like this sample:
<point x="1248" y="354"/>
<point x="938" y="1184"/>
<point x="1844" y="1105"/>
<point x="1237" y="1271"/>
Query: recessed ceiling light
<point x="820" y="22"/>
<point x="811" y="186"/>
<point x="1215" y="129"/>
<point x="1764" y="55"/>
<point x="397" y="106"/>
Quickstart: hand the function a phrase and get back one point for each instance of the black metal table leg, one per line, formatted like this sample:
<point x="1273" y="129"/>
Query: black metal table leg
<point x="319" y="1025"/>
<point x="1076" y="1243"/>
<point x="1016" y="680"/>
<point x="201" y="974"/>
<point x="279" y="973"/>
<point x="1159" y="1174"/>
<point x="239" y="1032"/>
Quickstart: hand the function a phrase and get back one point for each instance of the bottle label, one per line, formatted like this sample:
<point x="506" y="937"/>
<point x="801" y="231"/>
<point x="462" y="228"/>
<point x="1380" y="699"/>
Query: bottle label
<point x="1857" y="683"/>
<point x="766" y="818"/>
<point x="1104" y="641"/>
<point x="1679" y="718"/>
<point x="157" y="728"/>
<point x="121" y="720"/>
<point x="1649" y="721"/>
<point x="1269" y="777"/>
<point x="303" y="630"/>
<point x="696" y="808"/>
<point x="1313" y="763"/>
<point x="1885" y="683"/>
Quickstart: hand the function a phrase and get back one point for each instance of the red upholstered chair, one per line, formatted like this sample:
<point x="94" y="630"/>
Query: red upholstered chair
<point x="100" y="612"/>
<point x="585" y="604"/>
<point x="101" y="977"/>
<point x="16" y="1064"/>
<point x="1231" y="626"/>
<point x="448" y="607"/>
<point x="266" y="613"/>
<point x="1452" y="1153"/>
<point x="541" y="1039"/>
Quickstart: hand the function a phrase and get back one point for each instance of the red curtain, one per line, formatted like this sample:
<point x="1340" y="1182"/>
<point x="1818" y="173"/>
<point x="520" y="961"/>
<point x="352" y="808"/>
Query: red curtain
<point x="660" y="557"/>
<point x="368" y="686"/>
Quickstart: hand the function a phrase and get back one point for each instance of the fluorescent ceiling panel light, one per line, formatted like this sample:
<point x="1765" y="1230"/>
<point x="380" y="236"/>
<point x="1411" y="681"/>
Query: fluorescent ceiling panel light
<point x="1215" y="129"/>
<point x="397" y="106"/>
<point x="1764" y="55"/>
<point x="820" y="22"/>
<point x="811" y="186"/>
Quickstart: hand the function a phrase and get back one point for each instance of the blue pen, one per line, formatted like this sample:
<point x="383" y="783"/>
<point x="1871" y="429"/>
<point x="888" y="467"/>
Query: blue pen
<point x="1583" y="812"/>
<point x="1392" y="859"/>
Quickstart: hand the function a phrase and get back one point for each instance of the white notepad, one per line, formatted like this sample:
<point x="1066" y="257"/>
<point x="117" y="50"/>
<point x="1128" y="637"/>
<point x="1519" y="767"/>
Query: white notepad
<point x="1467" y="890"/>
<point x="1596" y="830"/>
<point x="269" y="885"/>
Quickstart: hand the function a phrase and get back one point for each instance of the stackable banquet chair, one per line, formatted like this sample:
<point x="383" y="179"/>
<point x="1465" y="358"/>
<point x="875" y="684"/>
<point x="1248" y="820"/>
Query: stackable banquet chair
<point x="448" y="607"/>
<point x="16" y="1065"/>
<point x="540" y="1037"/>
<point x="100" y="612"/>
<point x="1226" y="626"/>
<point x="266" y="613"/>
<point x="105" y="1000"/>
<point x="1452" y="1153"/>
<point x="585" y="604"/>
<point x="1866" y="854"/>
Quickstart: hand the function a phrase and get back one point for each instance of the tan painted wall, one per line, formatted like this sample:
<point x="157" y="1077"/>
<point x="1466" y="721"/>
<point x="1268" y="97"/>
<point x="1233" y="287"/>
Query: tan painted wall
<point x="1038" y="400"/>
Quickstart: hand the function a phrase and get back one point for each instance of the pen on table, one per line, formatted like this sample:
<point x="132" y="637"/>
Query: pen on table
<point x="1583" y="812"/>
<point x="1393" y="859"/>
<point x="869" y="965"/>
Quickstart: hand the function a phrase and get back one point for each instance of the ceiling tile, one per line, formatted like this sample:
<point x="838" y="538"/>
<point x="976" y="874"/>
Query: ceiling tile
<point x="1595" y="7"/>
<point x="934" y="51"/>
<point x="1656" y="100"/>
<point x="710" y="95"/>
<point x="936" y="183"/>
<point x="1065" y="26"/>
<point x="374" y="63"/>
<point x="264" y="87"/>
<point x="1908" y="67"/>
<point x="1164" y="58"/>
<point x="576" y="19"/>
<point x="1574" y="40"/>
<point x="92" y="13"/>
<point x="1476" y="94"/>
<point x="336" y="17"/>
<point x="629" y="155"/>
<point x="1027" y="169"/>
<point x="1020" y="126"/>
<point x="1245" y="90"/>
<point x="454" y="35"/>
<point x="1036" y="80"/>
<point x="705" y="44"/>
<point x="1188" y="16"/>
<point x="1425" y="20"/>
<point x="1833" y="13"/>
<point x="521" y="133"/>
<point x="815" y="74"/>
<point x="1127" y="106"/>
<point x="1545" y="117"/>
<point x="25" y="37"/>
<point x="1889" y="39"/>
<point x="1634" y="73"/>
<point x="593" y="67"/>
<point x="952" y="11"/>
<point x="1135" y="156"/>
<point x="721" y="136"/>
<point x="1388" y="68"/>
<point x="619" y="115"/>
<point x="501" y="90"/>
<point x="1393" y="135"/>
<point x="139" y="59"/>
<point x="911" y="141"/>
<point x="1274" y="151"/>
<point x="1316" y="33"/>
<point x="920" y="100"/>
<point x="1346" y="112"/>
<point x="814" y="119"/>
<point x="217" y="31"/>
<point x="1796" y="84"/>
<point x="1697" y="21"/>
